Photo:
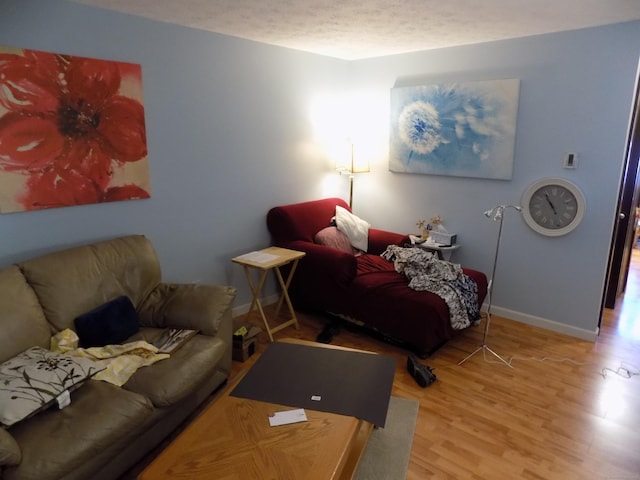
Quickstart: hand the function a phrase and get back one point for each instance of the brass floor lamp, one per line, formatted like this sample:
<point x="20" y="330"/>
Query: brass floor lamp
<point x="497" y="213"/>
<point x="351" y="169"/>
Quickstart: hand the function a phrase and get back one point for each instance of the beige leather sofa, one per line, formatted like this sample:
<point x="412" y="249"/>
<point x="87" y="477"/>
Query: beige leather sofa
<point x="107" y="429"/>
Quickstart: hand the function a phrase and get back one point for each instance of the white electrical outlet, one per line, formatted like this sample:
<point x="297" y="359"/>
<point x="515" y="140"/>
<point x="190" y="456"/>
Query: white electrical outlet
<point x="571" y="160"/>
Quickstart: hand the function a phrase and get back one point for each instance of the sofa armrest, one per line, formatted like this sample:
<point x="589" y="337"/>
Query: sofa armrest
<point x="10" y="453"/>
<point x="324" y="261"/>
<point x="199" y="307"/>
<point x="380" y="239"/>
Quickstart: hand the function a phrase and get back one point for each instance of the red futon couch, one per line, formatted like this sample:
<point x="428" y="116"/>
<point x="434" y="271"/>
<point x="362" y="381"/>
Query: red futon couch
<point x="363" y="288"/>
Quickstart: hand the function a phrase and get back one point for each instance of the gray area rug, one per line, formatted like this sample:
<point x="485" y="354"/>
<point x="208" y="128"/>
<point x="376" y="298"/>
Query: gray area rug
<point x="386" y="456"/>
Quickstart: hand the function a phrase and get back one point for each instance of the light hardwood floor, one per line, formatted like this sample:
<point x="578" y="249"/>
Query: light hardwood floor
<point x="561" y="413"/>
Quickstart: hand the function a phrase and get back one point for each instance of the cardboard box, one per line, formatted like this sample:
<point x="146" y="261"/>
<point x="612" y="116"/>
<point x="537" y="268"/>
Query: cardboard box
<point x="244" y="342"/>
<point x="243" y="349"/>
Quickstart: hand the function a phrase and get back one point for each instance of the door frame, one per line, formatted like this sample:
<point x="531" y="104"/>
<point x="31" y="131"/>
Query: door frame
<point x="625" y="222"/>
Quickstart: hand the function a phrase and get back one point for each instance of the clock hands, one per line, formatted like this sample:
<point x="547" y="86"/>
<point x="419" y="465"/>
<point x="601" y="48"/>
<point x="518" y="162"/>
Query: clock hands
<point x="546" y="195"/>
<point x="553" y="209"/>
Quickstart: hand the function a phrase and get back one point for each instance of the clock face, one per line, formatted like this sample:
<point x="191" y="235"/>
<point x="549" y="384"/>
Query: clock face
<point x="553" y="206"/>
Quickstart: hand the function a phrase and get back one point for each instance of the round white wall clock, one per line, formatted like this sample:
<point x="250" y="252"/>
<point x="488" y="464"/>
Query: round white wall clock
<point x="553" y="206"/>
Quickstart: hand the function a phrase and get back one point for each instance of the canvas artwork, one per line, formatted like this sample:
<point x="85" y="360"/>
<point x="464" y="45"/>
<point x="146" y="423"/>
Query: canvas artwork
<point x="459" y="129"/>
<point x="72" y="131"/>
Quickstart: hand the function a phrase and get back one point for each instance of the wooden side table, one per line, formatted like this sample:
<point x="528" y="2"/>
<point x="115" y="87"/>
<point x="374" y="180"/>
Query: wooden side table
<point x="263" y="261"/>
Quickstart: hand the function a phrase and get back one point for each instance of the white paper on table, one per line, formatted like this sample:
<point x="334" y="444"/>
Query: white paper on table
<point x="287" y="417"/>
<point x="258" y="257"/>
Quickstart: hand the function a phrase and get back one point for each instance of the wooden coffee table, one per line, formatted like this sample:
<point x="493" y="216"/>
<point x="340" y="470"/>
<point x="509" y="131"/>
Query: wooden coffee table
<point x="232" y="439"/>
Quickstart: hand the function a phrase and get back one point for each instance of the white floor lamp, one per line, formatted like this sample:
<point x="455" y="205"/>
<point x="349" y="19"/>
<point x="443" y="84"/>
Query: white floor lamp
<point x="497" y="213"/>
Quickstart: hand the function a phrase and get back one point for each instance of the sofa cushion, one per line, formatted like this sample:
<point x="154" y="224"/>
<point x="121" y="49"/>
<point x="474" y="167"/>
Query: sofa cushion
<point x="110" y="323"/>
<point x="101" y="418"/>
<point x="167" y="382"/>
<point x="71" y="282"/>
<point x="10" y="453"/>
<point x="196" y="307"/>
<point x="334" y="238"/>
<point x="21" y="318"/>
<point x="32" y="380"/>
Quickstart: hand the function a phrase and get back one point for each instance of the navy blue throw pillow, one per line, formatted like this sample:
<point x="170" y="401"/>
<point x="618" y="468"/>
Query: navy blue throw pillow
<point x="108" y="324"/>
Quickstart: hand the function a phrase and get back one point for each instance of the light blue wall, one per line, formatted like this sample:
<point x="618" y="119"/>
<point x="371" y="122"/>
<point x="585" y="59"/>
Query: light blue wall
<point x="228" y="129"/>
<point x="576" y="92"/>
<point x="230" y="134"/>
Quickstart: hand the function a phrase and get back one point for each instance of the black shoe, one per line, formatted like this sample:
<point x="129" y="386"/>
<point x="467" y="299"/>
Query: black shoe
<point x="326" y="335"/>
<point x="422" y="374"/>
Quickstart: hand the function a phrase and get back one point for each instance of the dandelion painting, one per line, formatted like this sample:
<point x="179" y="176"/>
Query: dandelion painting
<point x="72" y="131"/>
<point x="459" y="129"/>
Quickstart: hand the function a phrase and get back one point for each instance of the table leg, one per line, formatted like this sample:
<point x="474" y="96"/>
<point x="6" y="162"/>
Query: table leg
<point x="285" y="296"/>
<point x="255" y="302"/>
<point x="285" y="288"/>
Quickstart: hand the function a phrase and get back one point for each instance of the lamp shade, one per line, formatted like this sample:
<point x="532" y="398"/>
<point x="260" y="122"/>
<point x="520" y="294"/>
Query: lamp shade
<point x="352" y="165"/>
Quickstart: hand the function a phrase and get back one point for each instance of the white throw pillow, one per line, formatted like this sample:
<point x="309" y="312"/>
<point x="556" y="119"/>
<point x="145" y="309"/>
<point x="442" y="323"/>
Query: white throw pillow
<point x="353" y="227"/>
<point x="31" y="381"/>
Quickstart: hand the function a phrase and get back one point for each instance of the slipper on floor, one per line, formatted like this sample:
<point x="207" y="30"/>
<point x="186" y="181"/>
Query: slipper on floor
<point x="421" y="373"/>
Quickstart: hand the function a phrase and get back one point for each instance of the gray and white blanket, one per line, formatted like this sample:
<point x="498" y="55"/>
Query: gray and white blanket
<point x="426" y="272"/>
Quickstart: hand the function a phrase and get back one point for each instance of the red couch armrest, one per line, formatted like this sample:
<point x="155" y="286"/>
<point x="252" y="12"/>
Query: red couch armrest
<point x="380" y="239"/>
<point x="323" y="262"/>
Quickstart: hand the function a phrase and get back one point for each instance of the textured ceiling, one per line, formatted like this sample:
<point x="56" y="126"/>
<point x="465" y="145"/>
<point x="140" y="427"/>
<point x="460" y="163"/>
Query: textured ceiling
<point x="356" y="29"/>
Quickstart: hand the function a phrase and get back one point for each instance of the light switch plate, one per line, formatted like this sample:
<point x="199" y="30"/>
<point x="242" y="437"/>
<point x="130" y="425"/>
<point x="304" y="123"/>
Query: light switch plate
<point x="571" y="160"/>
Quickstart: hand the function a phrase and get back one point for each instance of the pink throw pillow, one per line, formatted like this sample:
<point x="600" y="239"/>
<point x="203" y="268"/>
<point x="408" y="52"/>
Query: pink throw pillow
<point x="334" y="238"/>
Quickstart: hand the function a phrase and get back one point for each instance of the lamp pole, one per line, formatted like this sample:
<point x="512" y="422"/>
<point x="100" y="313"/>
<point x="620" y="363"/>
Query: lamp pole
<point x="351" y="180"/>
<point x="498" y="214"/>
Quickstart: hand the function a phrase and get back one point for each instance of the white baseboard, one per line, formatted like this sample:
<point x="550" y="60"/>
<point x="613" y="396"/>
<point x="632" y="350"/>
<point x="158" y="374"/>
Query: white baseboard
<point x="580" y="333"/>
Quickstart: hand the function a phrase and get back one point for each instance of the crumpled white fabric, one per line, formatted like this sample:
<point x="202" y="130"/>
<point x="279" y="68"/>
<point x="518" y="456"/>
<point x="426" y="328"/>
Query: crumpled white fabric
<point x="119" y="362"/>
<point x="353" y="227"/>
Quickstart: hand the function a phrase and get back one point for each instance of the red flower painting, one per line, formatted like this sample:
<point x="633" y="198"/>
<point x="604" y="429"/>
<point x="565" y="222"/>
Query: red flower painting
<point x="72" y="131"/>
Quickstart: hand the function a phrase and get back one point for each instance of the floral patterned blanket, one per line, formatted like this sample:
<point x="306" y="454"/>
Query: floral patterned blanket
<point x="426" y="272"/>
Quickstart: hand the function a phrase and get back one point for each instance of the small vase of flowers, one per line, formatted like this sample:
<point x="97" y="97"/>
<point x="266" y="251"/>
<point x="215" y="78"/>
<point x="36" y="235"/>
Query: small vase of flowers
<point x="424" y="230"/>
<point x="435" y="223"/>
